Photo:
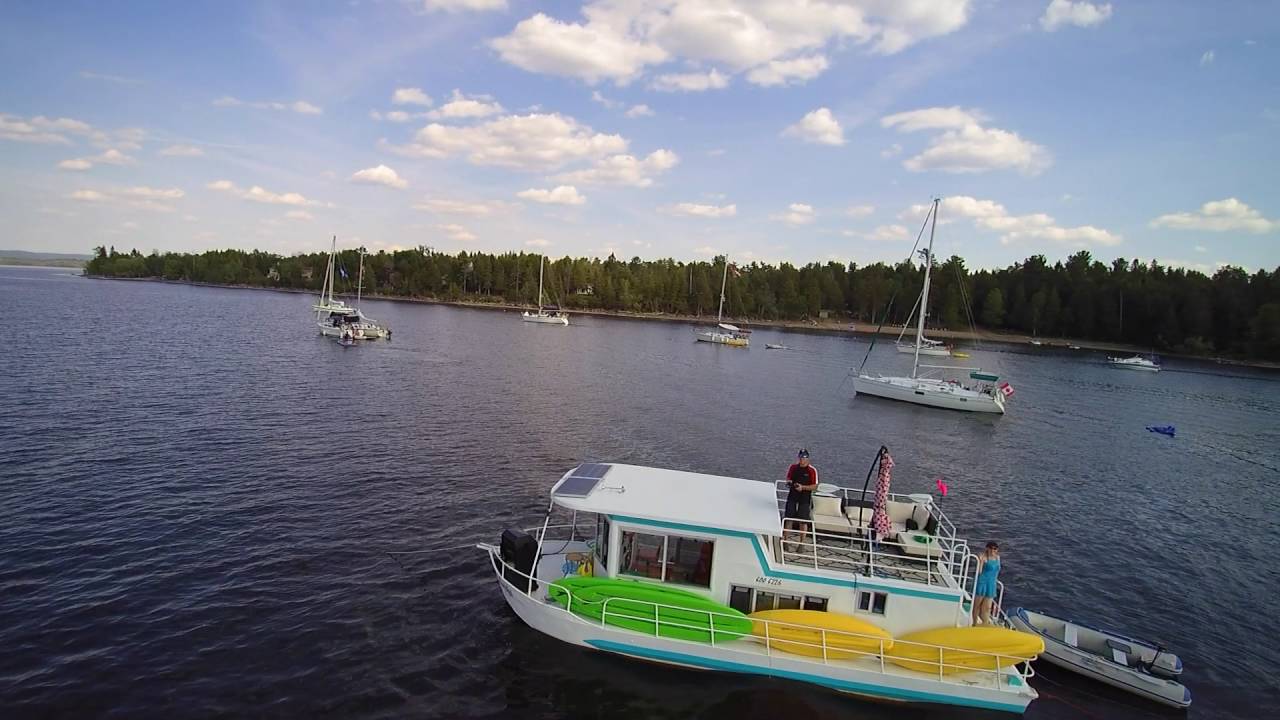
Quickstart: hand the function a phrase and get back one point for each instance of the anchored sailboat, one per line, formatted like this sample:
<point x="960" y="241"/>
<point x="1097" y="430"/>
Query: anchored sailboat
<point x="335" y="318"/>
<point x="724" y="333"/>
<point x="542" y="316"/>
<point x="983" y="396"/>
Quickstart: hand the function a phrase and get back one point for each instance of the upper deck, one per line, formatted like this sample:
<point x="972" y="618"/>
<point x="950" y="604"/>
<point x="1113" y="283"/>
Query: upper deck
<point x="922" y="546"/>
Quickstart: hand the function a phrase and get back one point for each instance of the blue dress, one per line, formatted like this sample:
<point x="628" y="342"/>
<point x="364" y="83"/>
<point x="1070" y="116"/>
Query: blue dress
<point x="986" y="585"/>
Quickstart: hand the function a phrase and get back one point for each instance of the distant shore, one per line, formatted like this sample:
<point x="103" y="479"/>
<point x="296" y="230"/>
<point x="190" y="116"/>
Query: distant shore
<point x="826" y="327"/>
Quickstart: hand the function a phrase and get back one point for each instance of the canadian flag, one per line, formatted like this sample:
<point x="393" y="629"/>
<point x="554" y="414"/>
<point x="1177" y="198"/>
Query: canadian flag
<point x="1006" y="389"/>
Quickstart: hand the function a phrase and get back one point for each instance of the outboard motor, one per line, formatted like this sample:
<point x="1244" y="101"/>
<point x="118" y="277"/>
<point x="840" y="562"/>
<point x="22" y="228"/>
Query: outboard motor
<point x="519" y="551"/>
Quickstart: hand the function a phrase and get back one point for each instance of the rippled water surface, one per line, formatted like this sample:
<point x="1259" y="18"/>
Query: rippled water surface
<point x="197" y="495"/>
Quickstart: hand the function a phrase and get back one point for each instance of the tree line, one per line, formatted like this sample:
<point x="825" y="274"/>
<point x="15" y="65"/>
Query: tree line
<point x="1233" y="313"/>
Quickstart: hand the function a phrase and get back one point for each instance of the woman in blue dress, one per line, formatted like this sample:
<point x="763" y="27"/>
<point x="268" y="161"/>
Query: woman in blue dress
<point x="984" y="591"/>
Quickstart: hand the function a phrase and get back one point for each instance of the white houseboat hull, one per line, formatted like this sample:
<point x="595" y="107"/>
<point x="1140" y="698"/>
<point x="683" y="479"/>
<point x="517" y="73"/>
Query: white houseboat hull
<point x="1121" y="365"/>
<point x="723" y="339"/>
<point x="929" y="392"/>
<point x="880" y="681"/>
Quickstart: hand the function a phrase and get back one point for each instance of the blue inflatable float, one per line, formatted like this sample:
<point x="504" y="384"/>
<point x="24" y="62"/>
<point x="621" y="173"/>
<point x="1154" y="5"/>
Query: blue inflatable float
<point x="1163" y="429"/>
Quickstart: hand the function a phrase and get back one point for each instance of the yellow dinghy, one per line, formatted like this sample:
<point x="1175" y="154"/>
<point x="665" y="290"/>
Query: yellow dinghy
<point x="963" y="649"/>
<point x="801" y="632"/>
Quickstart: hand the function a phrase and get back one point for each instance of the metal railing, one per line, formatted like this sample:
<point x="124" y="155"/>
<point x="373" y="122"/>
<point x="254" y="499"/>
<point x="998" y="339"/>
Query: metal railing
<point x="833" y="648"/>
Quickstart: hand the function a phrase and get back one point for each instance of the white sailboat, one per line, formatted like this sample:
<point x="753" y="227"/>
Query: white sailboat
<point x="724" y="333"/>
<point x="983" y="396"/>
<point x="542" y="316"/>
<point x="335" y="318"/>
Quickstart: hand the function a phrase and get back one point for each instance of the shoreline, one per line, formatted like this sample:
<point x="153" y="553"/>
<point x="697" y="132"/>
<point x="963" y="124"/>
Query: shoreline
<point x="828" y="327"/>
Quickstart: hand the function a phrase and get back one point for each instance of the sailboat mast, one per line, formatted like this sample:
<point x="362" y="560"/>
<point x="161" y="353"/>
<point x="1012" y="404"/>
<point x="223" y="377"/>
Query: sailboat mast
<point x="924" y="294"/>
<point x="723" y="279"/>
<point x="541" y="260"/>
<point x="360" y="280"/>
<point x="333" y="249"/>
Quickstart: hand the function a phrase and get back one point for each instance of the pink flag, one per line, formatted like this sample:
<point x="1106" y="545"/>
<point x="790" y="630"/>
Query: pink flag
<point x="942" y="486"/>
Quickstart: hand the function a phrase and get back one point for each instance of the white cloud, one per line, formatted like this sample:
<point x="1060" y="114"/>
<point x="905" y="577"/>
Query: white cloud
<point x="445" y="206"/>
<point x="611" y="104"/>
<point x="182" y="151"/>
<point x="797" y="214"/>
<point x="1201" y="249"/>
<point x="464" y="5"/>
<point x="537" y="242"/>
<point x="411" y="96"/>
<point x="110" y="157"/>
<point x="298" y="215"/>
<point x="623" y="170"/>
<point x="460" y="106"/>
<point x="457" y="232"/>
<point x="858" y="211"/>
<point x="1080" y="14"/>
<point x="783" y="72"/>
<point x="619" y="40"/>
<point x="1229" y="215"/>
<point x="990" y="215"/>
<point x="525" y="142"/>
<point x="43" y="130"/>
<point x="882" y="233"/>
<point x="560" y="195"/>
<point x="965" y="146"/>
<point x="118" y="79"/>
<point x="591" y="52"/>
<point x="691" y="82"/>
<point x="260" y="194"/>
<point x="379" y="175"/>
<point x="893" y="150"/>
<point x="139" y="196"/>
<point x="301" y="107"/>
<point x="1206" y="58"/>
<point x="700" y="210"/>
<point x="819" y="126"/>
<point x="639" y="111"/>
<point x="707" y="250"/>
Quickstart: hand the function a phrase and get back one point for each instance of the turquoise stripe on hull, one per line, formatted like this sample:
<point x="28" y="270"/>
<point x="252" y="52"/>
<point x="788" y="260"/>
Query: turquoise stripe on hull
<point x="879" y="691"/>
<point x="764" y="565"/>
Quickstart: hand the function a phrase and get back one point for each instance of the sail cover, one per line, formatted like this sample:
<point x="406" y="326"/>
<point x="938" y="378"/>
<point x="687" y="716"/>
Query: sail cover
<point x="730" y="328"/>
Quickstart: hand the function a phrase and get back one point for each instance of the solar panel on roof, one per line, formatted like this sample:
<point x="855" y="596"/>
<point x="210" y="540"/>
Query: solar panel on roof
<point x="582" y="480"/>
<point x="590" y="470"/>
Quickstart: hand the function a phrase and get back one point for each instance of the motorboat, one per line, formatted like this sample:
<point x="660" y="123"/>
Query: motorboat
<point x="1137" y="666"/>
<point x="724" y="333"/>
<point x="886" y="620"/>
<point x="934" y="348"/>
<point x="980" y="394"/>
<point x="542" y="316"/>
<point x="1137" y="362"/>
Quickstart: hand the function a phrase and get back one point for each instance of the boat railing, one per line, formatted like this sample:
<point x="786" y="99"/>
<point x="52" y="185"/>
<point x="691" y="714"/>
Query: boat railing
<point x="849" y="496"/>
<point x="866" y="556"/>
<point x="971" y="586"/>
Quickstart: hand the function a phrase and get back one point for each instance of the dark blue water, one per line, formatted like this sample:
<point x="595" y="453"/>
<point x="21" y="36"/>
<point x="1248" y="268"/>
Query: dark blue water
<point x="197" y="494"/>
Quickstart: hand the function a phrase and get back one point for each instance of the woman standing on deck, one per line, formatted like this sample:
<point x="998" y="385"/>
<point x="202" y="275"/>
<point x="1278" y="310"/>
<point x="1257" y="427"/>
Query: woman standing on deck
<point x="984" y="591"/>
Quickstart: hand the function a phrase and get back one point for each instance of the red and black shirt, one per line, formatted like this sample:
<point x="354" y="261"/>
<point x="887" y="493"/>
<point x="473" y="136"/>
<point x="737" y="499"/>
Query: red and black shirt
<point x="798" y="474"/>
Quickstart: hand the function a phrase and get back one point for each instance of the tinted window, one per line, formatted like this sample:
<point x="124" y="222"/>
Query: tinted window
<point x="642" y="554"/>
<point x="689" y="561"/>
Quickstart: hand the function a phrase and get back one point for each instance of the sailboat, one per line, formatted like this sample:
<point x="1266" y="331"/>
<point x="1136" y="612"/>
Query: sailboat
<point x="724" y="333"/>
<point x="542" y="316"/>
<point x="923" y="345"/>
<point x="985" y="396"/>
<point x="335" y="318"/>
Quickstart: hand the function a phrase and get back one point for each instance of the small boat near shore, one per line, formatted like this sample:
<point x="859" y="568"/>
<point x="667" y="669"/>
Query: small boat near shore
<point x="1136" y="666"/>
<point x="775" y="346"/>
<point x="542" y="316"/>
<point x="1137" y="362"/>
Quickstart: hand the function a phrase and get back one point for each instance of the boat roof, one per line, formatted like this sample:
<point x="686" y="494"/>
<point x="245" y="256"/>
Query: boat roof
<point x="675" y="496"/>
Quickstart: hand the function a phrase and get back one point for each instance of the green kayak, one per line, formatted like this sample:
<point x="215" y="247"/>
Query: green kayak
<point x="678" y="613"/>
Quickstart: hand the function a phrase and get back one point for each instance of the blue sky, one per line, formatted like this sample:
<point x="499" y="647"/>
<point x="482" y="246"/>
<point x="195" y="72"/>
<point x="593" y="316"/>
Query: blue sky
<point x="771" y="130"/>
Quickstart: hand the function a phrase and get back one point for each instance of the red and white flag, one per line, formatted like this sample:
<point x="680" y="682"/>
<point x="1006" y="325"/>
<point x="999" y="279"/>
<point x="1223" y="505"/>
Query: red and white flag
<point x="1006" y="389"/>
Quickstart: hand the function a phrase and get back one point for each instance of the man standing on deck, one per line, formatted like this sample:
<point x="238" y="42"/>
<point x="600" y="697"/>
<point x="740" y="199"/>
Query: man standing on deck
<point x="802" y="480"/>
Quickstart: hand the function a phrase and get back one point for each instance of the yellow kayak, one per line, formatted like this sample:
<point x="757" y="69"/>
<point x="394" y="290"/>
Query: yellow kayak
<point x="963" y="649"/>
<point x="801" y="632"/>
<point x="956" y="353"/>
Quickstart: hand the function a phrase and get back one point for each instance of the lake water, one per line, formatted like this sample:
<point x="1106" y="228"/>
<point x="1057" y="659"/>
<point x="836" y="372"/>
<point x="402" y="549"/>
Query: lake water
<point x="197" y="494"/>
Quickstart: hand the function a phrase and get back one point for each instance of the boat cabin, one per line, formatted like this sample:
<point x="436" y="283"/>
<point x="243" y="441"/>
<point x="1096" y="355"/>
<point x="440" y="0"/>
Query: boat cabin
<point x="725" y="537"/>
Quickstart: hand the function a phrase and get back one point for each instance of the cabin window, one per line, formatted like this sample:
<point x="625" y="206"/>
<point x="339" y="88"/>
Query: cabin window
<point x="670" y="558"/>
<point x="815" y="603"/>
<point x="872" y="602"/>
<point x="740" y="598"/>
<point x="642" y="554"/>
<point x="602" y="542"/>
